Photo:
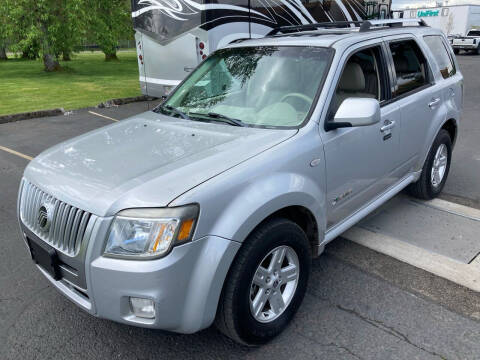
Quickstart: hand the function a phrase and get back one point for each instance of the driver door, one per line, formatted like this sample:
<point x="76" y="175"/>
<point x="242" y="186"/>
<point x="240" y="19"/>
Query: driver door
<point x="361" y="162"/>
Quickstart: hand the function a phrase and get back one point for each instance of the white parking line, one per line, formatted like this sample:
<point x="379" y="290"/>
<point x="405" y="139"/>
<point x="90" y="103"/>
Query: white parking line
<point x="103" y="116"/>
<point x="453" y="208"/>
<point x="467" y="275"/>
<point x="15" y="153"/>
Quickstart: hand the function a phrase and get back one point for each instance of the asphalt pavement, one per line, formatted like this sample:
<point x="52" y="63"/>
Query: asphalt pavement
<point x="360" y="304"/>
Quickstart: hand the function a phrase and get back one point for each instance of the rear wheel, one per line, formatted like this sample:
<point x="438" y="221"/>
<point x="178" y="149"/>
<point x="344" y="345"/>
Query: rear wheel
<point x="266" y="283"/>
<point x="435" y="170"/>
<point x="456" y="51"/>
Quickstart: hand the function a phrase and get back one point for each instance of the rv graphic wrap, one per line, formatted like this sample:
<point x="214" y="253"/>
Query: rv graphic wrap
<point x="167" y="19"/>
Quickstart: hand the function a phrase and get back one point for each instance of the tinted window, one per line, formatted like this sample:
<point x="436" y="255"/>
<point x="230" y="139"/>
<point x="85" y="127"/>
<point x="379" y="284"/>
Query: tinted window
<point x="440" y="53"/>
<point x="410" y="66"/>
<point x="474" y="33"/>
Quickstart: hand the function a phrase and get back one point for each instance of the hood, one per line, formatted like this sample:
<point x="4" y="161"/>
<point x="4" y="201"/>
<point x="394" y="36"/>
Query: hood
<point x="145" y="161"/>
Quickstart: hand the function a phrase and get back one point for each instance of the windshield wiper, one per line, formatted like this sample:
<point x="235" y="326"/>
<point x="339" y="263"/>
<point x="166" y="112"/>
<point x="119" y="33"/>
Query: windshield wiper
<point x="221" y="118"/>
<point x="176" y="111"/>
<point x="226" y="119"/>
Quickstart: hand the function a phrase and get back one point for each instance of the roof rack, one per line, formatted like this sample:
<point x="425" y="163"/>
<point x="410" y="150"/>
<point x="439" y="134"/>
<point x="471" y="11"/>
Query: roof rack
<point x="364" y="26"/>
<point x="369" y="25"/>
<point x="313" y="26"/>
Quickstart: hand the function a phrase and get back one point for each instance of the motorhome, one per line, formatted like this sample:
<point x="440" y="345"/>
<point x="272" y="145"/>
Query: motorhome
<point x="455" y="20"/>
<point x="174" y="36"/>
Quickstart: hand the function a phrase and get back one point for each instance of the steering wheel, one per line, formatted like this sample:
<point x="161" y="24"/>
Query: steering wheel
<point x="304" y="97"/>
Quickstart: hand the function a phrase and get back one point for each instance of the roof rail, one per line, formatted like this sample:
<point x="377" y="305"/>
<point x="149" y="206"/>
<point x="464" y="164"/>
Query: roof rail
<point x="313" y="26"/>
<point x="364" y="26"/>
<point x="369" y="25"/>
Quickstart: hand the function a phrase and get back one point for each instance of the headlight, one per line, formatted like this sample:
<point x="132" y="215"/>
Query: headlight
<point x="149" y="233"/>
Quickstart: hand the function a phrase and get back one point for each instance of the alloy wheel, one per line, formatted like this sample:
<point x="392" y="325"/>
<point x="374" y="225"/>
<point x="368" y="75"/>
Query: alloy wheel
<point x="274" y="284"/>
<point x="439" y="165"/>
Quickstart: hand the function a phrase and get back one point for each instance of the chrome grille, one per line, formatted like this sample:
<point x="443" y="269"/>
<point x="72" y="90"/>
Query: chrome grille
<point x="67" y="223"/>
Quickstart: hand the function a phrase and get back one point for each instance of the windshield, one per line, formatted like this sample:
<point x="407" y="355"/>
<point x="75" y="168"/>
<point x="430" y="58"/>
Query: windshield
<point x="253" y="86"/>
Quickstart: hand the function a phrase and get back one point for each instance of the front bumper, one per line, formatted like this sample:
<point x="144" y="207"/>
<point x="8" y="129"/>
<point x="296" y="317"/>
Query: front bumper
<point x="185" y="285"/>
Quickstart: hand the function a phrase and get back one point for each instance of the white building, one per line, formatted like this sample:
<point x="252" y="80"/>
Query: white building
<point x="452" y="20"/>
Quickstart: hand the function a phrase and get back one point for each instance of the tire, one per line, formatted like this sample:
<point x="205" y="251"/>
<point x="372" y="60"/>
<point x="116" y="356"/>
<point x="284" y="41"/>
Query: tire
<point x="429" y="187"/>
<point x="456" y="51"/>
<point x="234" y="317"/>
<point x="477" y="52"/>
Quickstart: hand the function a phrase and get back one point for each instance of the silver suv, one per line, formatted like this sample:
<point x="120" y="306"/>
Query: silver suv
<point x="210" y="207"/>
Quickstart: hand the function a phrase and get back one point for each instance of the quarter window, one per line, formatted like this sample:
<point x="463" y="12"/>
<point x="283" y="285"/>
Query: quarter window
<point x="442" y="57"/>
<point x="410" y="66"/>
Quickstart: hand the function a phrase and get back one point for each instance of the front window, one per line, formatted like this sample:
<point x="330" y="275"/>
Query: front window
<point x="254" y="86"/>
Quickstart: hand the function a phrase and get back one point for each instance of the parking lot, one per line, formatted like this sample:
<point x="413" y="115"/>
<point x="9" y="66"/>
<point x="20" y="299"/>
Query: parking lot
<point x="361" y="302"/>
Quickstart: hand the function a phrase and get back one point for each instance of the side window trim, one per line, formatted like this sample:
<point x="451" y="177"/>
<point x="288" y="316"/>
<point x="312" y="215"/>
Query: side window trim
<point x="389" y="67"/>
<point x="384" y="70"/>
<point x="429" y="73"/>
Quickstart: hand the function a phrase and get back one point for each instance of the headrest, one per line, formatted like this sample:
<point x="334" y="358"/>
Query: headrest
<point x="353" y="78"/>
<point x="401" y="64"/>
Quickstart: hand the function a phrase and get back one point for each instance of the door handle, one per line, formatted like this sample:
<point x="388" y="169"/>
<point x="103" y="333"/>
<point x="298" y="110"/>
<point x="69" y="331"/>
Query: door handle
<point x="434" y="102"/>
<point x="387" y="125"/>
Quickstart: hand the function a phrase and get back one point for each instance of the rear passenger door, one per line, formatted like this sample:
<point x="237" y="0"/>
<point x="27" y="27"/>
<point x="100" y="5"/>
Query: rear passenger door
<point x="446" y="72"/>
<point x="419" y="98"/>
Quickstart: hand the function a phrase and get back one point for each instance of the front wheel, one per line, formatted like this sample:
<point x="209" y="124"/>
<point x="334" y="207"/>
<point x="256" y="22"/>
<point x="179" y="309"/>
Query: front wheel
<point x="266" y="283"/>
<point x="435" y="170"/>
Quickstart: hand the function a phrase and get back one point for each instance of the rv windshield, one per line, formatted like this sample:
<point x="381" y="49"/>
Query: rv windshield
<point x="253" y="86"/>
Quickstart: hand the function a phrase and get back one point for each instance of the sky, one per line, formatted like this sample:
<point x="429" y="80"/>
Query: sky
<point x="401" y="4"/>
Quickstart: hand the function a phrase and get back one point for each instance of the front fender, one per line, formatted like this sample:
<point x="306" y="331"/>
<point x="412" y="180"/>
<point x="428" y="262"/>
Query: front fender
<point x="264" y="197"/>
<point x="235" y="202"/>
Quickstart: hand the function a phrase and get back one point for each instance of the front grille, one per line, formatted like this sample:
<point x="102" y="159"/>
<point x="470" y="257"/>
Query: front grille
<point x="67" y="224"/>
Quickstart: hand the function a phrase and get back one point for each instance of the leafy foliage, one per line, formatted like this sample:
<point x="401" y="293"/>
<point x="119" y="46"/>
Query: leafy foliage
<point x="53" y="28"/>
<point x="109" y="22"/>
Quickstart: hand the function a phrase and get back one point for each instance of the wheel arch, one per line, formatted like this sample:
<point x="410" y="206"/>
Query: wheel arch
<point x="451" y="126"/>
<point x="301" y="216"/>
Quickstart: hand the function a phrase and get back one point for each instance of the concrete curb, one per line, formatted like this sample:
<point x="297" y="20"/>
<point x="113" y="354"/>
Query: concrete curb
<point x="30" y="115"/>
<point x="60" y="111"/>
<point x="123" y="101"/>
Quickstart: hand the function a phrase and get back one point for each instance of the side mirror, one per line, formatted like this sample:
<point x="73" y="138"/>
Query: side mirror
<point x="355" y="112"/>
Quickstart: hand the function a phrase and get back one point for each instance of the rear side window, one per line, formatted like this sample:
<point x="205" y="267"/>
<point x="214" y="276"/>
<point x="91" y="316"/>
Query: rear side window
<point x="410" y="66"/>
<point x="440" y="52"/>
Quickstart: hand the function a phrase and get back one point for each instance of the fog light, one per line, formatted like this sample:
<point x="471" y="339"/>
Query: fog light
<point x="144" y="308"/>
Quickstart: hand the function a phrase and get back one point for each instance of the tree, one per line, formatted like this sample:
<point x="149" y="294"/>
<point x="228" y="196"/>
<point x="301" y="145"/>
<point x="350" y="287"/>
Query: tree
<point x="69" y="29"/>
<point x="109" y="21"/>
<point x="34" y="20"/>
<point x="5" y="28"/>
